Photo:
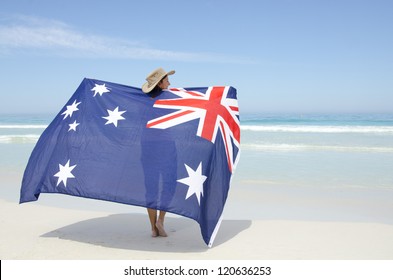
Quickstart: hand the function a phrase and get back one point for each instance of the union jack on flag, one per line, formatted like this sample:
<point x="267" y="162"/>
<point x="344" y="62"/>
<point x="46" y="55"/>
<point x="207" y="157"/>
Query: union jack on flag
<point x="175" y="152"/>
<point x="216" y="111"/>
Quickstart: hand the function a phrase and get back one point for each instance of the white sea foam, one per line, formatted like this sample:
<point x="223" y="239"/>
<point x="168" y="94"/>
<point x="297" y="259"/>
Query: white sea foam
<point x="300" y="147"/>
<point x="319" y="129"/>
<point x="23" y="126"/>
<point x="11" y="139"/>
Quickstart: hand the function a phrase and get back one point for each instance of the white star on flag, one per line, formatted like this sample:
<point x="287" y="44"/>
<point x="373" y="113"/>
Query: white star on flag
<point x="114" y="116"/>
<point x="194" y="181"/>
<point x="64" y="173"/>
<point x="100" y="89"/>
<point x="71" y="109"/>
<point x="73" y="126"/>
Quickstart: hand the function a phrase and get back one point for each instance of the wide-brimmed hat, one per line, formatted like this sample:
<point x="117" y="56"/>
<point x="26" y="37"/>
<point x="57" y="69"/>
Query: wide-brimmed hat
<point x="154" y="78"/>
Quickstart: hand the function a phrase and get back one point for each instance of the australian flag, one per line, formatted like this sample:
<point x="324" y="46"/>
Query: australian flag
<point x="175" y="152"/>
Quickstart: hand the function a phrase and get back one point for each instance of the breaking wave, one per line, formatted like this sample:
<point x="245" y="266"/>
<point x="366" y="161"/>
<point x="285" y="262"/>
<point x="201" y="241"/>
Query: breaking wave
<point x="13" y="139"/>
<point x="319" y="129"/>
<point x="301" y="147"/>
<point x="22" y="126"/>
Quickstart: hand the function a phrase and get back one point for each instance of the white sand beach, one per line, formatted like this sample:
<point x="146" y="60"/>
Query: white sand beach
<point x="32" y="231"/>
<point x="269" y="223"/>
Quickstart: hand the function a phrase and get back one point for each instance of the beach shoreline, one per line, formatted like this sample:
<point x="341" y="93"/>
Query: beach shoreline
<point x="36" y="232"/>
<point x="316" y="195"/>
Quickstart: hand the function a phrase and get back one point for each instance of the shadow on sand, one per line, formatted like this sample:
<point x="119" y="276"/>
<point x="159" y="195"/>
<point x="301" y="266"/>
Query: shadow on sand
<point x="132" y="232"/>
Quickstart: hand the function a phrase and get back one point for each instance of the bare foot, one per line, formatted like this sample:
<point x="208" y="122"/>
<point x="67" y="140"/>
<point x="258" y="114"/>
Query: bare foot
<point x="154" y="233"/>
<point x="161" y="231"/>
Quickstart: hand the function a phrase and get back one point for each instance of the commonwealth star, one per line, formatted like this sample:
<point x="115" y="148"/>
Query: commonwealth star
<point x="194" y="181"/>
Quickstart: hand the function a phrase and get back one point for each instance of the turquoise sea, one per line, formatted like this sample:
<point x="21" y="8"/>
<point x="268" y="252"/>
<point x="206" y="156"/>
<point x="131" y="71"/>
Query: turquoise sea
<point x="336" y="154"/>
<point x="320" y="150"/>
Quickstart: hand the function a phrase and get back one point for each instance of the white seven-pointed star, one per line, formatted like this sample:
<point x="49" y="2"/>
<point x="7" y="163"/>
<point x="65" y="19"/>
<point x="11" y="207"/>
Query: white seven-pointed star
<point x="64" y="173"/>
<point x="73" y="126"/>
<point x="100" y="89"/>
<point x="71" y="109"/>
<point x="114" y="116"/>
<point x="194" y="181"/>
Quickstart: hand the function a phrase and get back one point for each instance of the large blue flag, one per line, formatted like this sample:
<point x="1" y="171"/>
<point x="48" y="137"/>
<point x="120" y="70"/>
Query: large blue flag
<point x="175" y="152"/>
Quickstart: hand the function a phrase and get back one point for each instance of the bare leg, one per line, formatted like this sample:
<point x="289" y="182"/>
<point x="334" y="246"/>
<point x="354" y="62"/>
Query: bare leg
<point x="153" y="218"/>
<point x="160" y="224"/>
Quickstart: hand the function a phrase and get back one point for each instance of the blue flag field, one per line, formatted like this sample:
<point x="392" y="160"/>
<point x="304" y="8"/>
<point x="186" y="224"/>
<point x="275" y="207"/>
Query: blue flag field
<point x="176" y="152"/>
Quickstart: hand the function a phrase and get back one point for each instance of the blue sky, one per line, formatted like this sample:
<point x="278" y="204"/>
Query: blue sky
<point x="299" y="56"/>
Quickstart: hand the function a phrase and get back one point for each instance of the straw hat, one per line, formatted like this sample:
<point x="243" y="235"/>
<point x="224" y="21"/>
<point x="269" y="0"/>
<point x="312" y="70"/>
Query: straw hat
<point x="154" y="78"/>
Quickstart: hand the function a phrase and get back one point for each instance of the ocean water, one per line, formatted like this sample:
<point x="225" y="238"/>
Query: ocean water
<point x="308" y="167"/>
<point x="18" y="136"/>
<point x="315" y="151"/>
<point x="319" y="151"/>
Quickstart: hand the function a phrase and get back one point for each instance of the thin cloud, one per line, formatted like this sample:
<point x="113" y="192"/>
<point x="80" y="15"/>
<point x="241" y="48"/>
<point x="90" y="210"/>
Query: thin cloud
<point x="57" y="38"/>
